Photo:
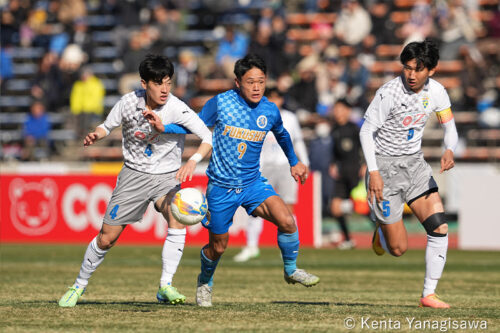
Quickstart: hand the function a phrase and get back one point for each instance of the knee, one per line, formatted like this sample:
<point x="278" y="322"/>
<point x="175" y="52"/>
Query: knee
<point x="217" y="250"/>
<point x="435" y="225"/>
<point x="398" y="251"/>
<point x="104" y="243"/>
<point x="287" y="224"/>
<point x="442" y="229"/>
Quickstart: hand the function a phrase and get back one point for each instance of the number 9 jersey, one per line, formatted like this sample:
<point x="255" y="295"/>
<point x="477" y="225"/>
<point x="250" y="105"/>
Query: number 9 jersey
<point x="239" y="132"/>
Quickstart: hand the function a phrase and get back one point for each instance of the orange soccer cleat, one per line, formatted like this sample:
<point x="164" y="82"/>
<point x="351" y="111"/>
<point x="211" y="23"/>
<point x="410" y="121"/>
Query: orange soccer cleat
<point x="433" y="301"/>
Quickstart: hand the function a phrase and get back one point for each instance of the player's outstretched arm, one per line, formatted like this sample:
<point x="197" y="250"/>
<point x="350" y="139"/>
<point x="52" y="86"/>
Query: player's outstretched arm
<point x="154" y="120"/>
<point x="300" y="172"/>
<point x="93" y="137"/>
<point x="186" y="171"/>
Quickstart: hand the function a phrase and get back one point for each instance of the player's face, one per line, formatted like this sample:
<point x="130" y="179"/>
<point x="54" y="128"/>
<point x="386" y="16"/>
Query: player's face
<point x="252" y="85"/>
<point x="157" y="92"/>
<point x="416" y="76"/>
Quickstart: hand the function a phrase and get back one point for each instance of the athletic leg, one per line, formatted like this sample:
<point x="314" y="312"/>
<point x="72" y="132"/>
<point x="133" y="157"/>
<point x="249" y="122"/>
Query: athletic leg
<point x="274" y="210"/>
<point x="171" y="254"/>
<point x="93" y="257"/>
<point x="429" y="210"/>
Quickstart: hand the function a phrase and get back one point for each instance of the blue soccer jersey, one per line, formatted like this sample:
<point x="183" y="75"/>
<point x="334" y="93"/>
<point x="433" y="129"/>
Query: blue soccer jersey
<point x="239" y="132"/>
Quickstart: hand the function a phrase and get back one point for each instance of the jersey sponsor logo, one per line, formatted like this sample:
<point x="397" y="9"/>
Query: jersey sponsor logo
<point x="243" y="133"/>
<point x="262" y="121"/>
<point x="425" y="101"/>
<point x="140" y="135"/>
<point x="413" y="119"/>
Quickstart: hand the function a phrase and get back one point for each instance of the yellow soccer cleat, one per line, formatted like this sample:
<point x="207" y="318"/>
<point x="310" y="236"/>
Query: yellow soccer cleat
<point x="376" y="245"/>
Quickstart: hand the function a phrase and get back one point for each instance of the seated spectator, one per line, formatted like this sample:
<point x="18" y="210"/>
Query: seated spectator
<point x="47" y="83"/>
<point x="421" y="24"/>
<point x="232" y="47"/>
<point x="383" y="26"/>
<point x="355" y="78"/>
<point x="303" y="94"/>
<point x="459" y="26"/>
<point x="86" y="101"/>
<point x="353" y="23"/>
<point x="130" y="79"/>
<point x="36" y="134"/>
<point x="186" y="77"/>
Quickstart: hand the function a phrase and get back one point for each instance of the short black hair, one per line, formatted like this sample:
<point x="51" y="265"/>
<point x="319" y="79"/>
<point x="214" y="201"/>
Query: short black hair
<point x="247" y="63"/>
<point x="155" y="68"/>
<point x="274" y="91"/>
<point x="345" y="102"/>
<point x="426" y="54"/>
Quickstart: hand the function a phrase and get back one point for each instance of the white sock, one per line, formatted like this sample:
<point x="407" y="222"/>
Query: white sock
<point x="254" y="228"/>
<point x="435" y="259"/>
<point x="91" y="260"/>
<point x="171" y="254"/>
<point x="383" y="243"/>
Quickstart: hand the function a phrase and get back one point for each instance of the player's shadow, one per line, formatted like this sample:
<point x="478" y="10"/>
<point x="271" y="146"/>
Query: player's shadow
<point x="341" y="304"/>
<point x="134" y="305"/>
<point x="300" y="303"/>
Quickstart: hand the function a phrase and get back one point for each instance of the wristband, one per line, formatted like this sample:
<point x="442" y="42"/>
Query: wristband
<point x="196" y="157"/>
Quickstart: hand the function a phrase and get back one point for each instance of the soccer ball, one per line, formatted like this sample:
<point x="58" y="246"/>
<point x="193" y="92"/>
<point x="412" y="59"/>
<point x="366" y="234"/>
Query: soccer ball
<point x="189" y="206"/>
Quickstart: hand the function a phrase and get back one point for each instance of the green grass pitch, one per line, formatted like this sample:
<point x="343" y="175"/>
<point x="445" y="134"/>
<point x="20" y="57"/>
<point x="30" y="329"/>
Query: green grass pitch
<point x="356" y="287"/>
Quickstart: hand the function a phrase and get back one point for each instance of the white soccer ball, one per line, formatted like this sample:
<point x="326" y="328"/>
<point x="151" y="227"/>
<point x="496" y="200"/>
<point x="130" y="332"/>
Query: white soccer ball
<point x="189" y="206"/>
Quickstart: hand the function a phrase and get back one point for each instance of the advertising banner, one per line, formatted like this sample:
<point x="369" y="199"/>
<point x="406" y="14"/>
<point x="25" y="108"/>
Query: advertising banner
<point x="69" y="209"/>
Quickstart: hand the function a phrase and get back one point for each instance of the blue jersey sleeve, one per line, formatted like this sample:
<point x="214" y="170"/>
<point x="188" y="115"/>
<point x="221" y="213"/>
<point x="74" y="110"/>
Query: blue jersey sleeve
<point x="285" y="142"/>
<point x="209" y="112"/>
<point x="175" y="129"/>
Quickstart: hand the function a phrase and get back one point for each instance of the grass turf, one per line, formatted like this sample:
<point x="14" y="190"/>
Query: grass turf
<point x="247" y="296"/>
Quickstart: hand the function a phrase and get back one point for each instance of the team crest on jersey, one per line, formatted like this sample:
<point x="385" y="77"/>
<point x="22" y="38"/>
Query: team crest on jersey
<point x="262" y="121"/>
<point x="425" y="101"/>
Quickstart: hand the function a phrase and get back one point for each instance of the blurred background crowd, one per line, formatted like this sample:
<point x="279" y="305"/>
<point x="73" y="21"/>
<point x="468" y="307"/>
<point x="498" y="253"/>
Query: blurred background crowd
<point x="64" y="63"/>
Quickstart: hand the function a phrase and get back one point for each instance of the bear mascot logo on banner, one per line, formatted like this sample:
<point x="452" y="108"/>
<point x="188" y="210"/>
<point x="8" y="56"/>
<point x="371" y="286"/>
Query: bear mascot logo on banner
<point x="33" y="209"/>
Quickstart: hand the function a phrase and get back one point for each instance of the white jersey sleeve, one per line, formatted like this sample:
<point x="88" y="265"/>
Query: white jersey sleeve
<point x="181" y="114"/>
<point x="379" y="108"/>
<point x="114" y="118"/>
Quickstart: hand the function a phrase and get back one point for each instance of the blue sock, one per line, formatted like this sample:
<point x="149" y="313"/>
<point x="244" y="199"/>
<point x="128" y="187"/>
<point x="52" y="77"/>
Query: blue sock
<point x="207" y="269"/>
<point x="289" y="246"/>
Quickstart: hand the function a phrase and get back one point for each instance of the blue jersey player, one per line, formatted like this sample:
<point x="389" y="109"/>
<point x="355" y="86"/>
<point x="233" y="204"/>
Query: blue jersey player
<point x="241" y="119"/>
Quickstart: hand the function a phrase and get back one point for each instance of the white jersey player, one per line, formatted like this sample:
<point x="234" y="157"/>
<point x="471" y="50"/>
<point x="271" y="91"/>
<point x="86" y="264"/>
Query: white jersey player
<point x="391" y="139"/>
<point x="273" y="162"/>
<point x="151" y="172"/>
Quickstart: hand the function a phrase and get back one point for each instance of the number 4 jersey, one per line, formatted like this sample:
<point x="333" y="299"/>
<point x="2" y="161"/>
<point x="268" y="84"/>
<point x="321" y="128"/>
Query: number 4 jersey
<point x="401" y="114"/>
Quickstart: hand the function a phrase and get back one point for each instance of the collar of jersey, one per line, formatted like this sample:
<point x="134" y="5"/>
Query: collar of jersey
<point x="141" y="104"/>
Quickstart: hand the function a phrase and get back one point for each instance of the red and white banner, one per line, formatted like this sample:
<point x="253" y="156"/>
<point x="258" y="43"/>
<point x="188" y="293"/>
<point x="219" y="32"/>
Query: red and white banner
<point x="69" y="209"/>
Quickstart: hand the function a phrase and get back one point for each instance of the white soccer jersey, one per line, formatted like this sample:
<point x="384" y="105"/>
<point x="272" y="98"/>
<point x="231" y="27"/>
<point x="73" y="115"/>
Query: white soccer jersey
<point x="145" y="149"/>
<point x="401" y="114"/>
<point x="273" y="155"/>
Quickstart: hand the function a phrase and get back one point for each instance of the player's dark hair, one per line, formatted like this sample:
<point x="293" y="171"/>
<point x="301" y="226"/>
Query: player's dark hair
<point x="247" y="63"/>
<point x="274" y="91"/>
<point x="426" y="54"/>
<point x="345" y="102"/>
<point x="155" y="68"/>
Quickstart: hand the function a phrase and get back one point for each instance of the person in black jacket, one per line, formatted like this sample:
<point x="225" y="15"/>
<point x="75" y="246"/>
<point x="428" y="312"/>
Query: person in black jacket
<point x="345" y="166"/>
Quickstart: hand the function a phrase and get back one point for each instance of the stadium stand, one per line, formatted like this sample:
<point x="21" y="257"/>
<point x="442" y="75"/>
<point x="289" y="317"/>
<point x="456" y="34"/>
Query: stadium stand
<point x="199" y="29"/>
